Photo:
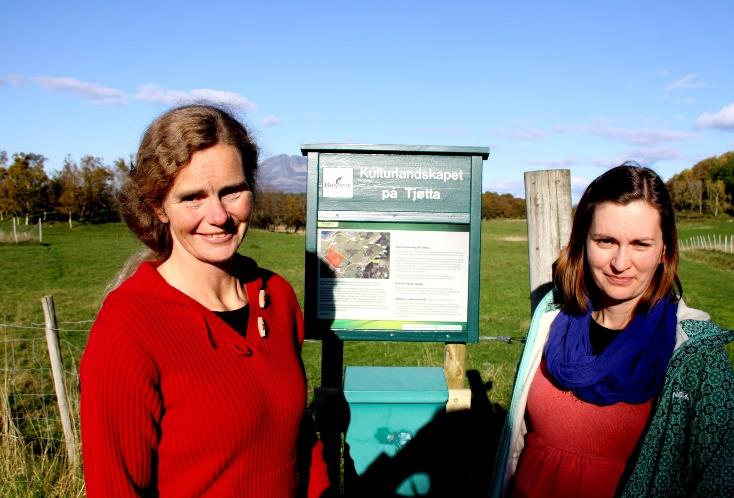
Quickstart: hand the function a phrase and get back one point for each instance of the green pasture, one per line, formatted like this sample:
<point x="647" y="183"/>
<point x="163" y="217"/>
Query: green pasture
<point x="75" y="266"/>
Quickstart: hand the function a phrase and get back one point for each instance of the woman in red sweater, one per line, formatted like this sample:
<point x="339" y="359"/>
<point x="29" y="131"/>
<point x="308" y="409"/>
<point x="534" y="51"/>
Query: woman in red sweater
<point x="192" y="382"/>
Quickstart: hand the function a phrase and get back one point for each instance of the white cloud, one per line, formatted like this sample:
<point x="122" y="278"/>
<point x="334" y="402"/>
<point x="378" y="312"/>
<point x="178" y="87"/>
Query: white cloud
<point x="634" y="136"/>
<point x="270" y="120"/>
<point x="578" y="186"/>
<point x="146" y="93"/>
<point x="13" y="79"/>
<point x="458" y="132"/>
<point x="514" y="187"/>
<point x="89" y="91"/>
<point x="722" y="119"/>
<point x="687" y="82"/>
<point x="686" y="100"/>
<point x="554" y="163"/>
<point x="161" y="95"/>
<point x="646" y="156"/>
<point x="525" y="135"/>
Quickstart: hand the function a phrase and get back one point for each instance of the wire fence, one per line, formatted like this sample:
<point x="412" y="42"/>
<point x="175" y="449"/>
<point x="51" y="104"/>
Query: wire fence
<point x="19" y="232"/>
<point x="29" y="406"/>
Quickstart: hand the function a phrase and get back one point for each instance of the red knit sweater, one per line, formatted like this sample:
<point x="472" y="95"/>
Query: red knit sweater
<point x="175" y="403"/>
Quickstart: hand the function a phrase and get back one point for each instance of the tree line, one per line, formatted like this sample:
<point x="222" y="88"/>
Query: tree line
<point x="705" y="189"/>
<point x="87" y="190"/>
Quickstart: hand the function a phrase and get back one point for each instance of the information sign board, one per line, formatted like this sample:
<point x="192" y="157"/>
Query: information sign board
<point x="393" y="241"/>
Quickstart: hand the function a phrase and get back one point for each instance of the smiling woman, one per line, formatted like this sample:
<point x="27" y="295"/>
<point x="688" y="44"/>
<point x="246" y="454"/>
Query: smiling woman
<point x="208" y="210"/>
<point x="622" y="389"/>
<point x="192" y="382"/>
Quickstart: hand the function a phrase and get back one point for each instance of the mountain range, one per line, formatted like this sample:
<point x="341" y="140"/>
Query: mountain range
<point x="283" y="173"/>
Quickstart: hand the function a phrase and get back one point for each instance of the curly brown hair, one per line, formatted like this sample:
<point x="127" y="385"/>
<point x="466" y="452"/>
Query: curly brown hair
<point x="167" y="146"/>
<point x="623" y="184"/>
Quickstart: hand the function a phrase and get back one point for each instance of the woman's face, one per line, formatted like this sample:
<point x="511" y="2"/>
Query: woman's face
<point x="624" y="247"/>
<point x="208" y="207"/>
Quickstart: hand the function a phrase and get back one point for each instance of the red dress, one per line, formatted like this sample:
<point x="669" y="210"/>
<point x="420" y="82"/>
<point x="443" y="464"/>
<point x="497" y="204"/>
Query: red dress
<point x="574" y="448"/>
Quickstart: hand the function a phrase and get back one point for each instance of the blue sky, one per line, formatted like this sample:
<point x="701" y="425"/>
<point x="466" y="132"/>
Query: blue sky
<point x="579" y="85"/>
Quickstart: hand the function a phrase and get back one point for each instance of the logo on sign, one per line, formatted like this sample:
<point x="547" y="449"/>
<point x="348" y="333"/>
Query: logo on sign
<point x="337" y="182"/>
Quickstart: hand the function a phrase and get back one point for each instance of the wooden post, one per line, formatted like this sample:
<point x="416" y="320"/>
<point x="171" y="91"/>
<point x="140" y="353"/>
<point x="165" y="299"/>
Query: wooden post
<point x="54" y="353"/>
<point x="40" y="231"/>
<point x="548" y="208"/>
<point x="454" y="368"/>
<point x="70" y="225"/>
<point x="15" y="231"/>
<point x="331" y="407"/>
<point x="454" y="365"/>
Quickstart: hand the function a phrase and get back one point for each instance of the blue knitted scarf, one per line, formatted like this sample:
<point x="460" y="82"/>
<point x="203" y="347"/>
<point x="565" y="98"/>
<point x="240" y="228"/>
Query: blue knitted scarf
<point x="630" y="369"/>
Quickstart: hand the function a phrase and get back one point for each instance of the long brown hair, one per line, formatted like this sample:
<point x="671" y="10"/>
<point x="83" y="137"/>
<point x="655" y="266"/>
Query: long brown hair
<point x="167" y="146"/>
<point x="623" y="184"/>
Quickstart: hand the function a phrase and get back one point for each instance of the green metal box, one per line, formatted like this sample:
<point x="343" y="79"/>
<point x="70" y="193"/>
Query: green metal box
<point x="388" y="406"/>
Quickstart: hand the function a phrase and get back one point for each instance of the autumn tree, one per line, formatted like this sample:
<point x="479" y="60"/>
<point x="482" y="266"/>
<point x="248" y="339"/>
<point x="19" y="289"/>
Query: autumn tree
<point x="294" y="211"/>
<point x="67" y="186"/>
<point x="25" y="186"/>
<point x="4" y="194"/>
<point x="708" y="185"/>
<point x="279" y="210"/>
<point x="716" y="196"/>
<point x="98" y="197"/>
<point x="496" y="205"/>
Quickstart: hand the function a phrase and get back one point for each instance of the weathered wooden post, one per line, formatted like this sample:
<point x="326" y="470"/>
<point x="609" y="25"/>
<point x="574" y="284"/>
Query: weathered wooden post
<point x="455" y="365"/>
<point x="548" y="208"/>
<point x="57" y="369"/>
<point x="40" y="231"/>
<point x="15" y="230"/>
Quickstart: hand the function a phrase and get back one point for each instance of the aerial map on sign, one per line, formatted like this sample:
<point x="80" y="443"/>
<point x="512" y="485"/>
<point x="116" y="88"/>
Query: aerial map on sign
<point x="356" y="254"/>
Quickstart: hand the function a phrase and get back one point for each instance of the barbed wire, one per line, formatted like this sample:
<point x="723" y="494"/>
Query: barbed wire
<point x="39" y="326"/>
<point x="91" y="320"/>
<point x="27" y="386"/>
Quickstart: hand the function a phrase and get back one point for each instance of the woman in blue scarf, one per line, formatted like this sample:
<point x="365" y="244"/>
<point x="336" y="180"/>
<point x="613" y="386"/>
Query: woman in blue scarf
<point x="593" y="413"/>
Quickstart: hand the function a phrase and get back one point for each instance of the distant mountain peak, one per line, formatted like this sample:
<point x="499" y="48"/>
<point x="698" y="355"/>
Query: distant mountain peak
<point x="283" y="173"/>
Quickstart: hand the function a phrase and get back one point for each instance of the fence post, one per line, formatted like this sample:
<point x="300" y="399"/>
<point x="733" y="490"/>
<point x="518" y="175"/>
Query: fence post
<point x="454" y="365"/>
<point x="548" y="208"/>
<point x="15" y="231"/>
<point x="54" y="353"/>
<point x="40" y="231"/>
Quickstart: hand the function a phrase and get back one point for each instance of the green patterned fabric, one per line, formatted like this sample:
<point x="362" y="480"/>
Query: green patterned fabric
<point x="688" y="449"/>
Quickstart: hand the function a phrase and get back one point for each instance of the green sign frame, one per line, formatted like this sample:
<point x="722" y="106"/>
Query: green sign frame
<point x="393" y="242"/>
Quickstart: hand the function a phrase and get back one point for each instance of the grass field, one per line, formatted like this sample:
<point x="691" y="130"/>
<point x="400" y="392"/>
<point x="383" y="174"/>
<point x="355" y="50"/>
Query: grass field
<point x="75" y="266"/>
